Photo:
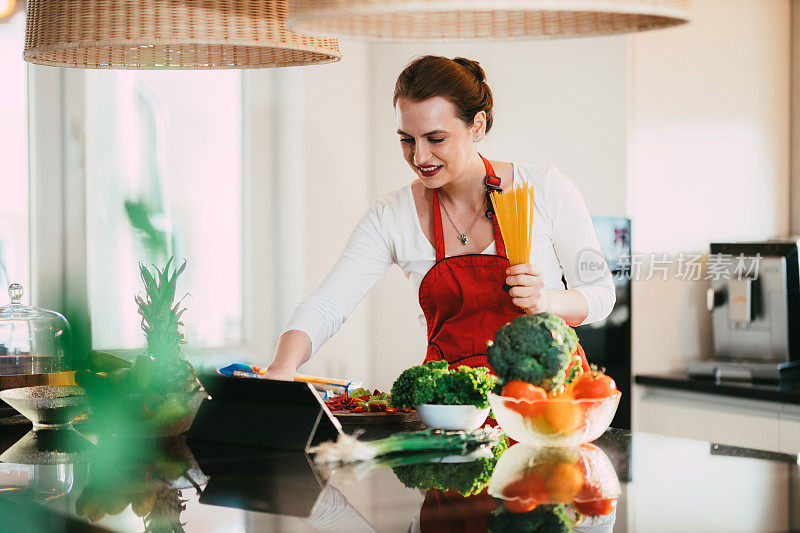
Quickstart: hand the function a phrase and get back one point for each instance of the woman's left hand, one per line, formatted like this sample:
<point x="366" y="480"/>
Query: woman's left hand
<point x="527" y="288"/>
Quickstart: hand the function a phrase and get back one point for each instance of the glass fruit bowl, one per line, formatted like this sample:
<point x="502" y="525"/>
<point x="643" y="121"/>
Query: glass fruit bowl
<point x="554" y="421"/>
<point x="147" y="415"/>
<point x="527" y="477"/>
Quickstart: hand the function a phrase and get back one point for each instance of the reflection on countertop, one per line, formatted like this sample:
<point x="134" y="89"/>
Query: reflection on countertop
<point x="662" y="484"/>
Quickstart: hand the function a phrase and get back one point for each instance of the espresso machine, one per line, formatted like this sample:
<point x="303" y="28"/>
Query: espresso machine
<point x="754" y="302"/>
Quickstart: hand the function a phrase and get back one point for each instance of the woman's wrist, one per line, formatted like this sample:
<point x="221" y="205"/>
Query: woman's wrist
<point x="281" y="368"/>
<point x="293" y="349"/>
<point x="280" y="372"/>
<point x="571" y="305"/>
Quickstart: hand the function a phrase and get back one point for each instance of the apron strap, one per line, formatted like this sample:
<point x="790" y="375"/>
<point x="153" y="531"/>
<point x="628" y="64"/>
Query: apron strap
<point x="499" y="245"/>
<point x="438" y="233"/>
<point x="493" y="183"/>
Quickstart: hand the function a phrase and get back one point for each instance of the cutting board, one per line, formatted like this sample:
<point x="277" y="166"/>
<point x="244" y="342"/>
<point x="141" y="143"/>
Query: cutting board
<point x="371" y="418"/>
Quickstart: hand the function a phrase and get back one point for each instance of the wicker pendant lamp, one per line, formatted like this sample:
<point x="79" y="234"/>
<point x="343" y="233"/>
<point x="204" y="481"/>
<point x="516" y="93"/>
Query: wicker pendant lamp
<point x="168" y="34"/>
<point x="444" y="20"/>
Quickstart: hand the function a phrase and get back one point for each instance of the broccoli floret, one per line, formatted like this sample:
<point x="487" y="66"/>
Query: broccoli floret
<point x="417" y="385"/>
<point x="465" y="478"/>
<point x="543" y="519"/>
<point x="534" y="348"/>
<point x="433" y="383"/>
<point x="466" y="386"/>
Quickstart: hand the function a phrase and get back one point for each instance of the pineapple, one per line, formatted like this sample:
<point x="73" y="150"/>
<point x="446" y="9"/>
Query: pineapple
<point x="165" y="516"/>
<point x="161" y="320"/>
<point x="158" y="391"/>
<point x="161" y="368"/>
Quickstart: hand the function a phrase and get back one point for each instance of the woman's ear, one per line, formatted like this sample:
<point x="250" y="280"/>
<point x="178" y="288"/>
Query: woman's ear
<point x="479" y="126"/>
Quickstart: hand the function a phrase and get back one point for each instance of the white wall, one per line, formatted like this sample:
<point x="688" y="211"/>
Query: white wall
<point x="709" y="156"/>
<point x="337" y="180"/>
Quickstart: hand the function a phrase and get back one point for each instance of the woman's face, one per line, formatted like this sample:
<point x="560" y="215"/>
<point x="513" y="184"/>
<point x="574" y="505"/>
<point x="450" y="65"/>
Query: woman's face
<point x="436" y="143"/>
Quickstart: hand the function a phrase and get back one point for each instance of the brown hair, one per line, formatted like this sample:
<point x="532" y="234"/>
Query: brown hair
<point x="460" y="81"/>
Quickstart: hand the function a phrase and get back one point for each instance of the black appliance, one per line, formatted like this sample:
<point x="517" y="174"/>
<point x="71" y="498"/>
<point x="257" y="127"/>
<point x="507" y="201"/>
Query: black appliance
<point x="607" y="343"/>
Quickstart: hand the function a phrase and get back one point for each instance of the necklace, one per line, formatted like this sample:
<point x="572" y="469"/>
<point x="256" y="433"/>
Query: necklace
<point x="462" y="237"/>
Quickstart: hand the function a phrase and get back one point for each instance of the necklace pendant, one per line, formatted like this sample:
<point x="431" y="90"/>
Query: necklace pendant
<point x="463" y="238"/>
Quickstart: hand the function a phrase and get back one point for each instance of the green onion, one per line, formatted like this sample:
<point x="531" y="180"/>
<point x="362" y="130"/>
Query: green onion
<point x="348" y="449"/>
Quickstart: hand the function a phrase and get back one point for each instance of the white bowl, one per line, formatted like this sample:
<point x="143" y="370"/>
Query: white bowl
<point x="452" y="417"/>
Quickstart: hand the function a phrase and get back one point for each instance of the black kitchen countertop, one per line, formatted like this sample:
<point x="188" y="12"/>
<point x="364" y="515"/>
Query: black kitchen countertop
<point x="63" y="481"/>
<point x="739" y="389"/>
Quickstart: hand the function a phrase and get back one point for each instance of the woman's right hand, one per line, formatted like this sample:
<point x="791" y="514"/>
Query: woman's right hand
<point x="293" y="349"/>
<point x="285" y="374"/>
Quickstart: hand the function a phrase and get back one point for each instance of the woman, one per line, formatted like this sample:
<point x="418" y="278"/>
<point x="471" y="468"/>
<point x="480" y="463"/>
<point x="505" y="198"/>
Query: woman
<point x="440" y="231"/>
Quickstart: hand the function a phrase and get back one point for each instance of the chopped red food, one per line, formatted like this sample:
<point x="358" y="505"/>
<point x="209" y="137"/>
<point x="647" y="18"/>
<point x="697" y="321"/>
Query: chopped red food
<point x="360" y="404"/>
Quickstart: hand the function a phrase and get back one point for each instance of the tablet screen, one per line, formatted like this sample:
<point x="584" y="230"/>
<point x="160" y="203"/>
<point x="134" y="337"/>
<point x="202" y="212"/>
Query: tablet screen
<point x="263" y="412"/>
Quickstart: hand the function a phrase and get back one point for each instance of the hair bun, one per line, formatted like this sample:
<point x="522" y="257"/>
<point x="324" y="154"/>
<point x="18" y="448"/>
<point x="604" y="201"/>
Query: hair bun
<point x="460" y="81"/>
<point x="472" y="66"/>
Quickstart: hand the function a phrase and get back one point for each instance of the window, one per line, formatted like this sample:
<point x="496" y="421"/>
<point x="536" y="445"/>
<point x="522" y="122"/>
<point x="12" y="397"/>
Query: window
<point x="130" y="166"/>
<point x="14" y="249"/>
<point x="163" y="173"/>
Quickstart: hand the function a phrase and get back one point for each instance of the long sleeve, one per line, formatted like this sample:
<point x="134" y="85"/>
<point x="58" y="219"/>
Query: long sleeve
<point x="367" y="255"/>
<point x="576" y="247"/>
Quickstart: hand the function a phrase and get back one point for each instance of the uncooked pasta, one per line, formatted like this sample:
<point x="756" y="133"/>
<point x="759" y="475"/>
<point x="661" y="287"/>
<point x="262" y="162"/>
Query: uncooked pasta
<point x="514" y="212"/>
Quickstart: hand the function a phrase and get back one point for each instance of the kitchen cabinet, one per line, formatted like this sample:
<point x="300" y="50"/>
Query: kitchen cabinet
<point x="789" y="424"/>
<point x="758" y="415"/>
<point x="720" y="419"/>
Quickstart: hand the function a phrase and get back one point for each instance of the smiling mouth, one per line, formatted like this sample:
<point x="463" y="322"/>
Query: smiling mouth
<point x="430" y="171"/>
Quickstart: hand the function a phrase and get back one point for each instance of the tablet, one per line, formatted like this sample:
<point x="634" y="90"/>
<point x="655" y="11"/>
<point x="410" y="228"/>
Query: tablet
<point x="281" y="482"/>
<point x="267" y="413"/>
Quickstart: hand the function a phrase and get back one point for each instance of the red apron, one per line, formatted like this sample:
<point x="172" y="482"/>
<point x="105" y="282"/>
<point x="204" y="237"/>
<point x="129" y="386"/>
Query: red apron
<point x="451" y="512"/>
<point x="463" y="300"/>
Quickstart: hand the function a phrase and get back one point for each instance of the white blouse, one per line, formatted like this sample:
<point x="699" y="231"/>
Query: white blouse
<point x="390" y="233"/>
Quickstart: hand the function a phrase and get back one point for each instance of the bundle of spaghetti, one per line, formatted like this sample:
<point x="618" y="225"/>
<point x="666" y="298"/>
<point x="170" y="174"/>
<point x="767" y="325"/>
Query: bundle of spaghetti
<point x="514" y="212"/>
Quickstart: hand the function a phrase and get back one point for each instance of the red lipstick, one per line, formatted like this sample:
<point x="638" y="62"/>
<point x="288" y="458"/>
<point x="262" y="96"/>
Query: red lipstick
<point x="430" y="171"/>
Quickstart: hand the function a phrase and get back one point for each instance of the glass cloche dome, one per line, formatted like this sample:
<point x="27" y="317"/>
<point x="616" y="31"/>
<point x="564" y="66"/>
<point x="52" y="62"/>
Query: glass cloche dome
<point x="32" y="340"/>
